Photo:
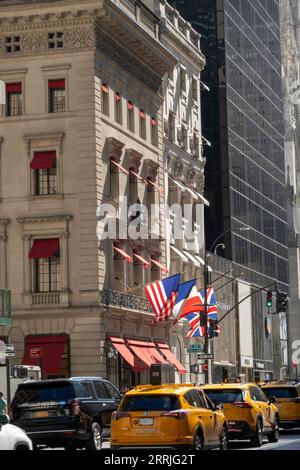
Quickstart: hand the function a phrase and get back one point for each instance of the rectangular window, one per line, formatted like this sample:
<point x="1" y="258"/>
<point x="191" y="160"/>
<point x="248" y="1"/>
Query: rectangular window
<point x="118" y="108"/>
<point x="143" y="125"/>
<point x="182" y="79"/>
<point x="45" y="181"/>
<point x="154" y="135"/>
<point x="55" y="40"/>
<point x="130" y="116"/>
<point x="12" y="44"/>
<point x="57" y="96"/>
<point x="47" y="274"/>
<point x="105" y="99"/>
<point x="172" y="127"/>
<point x="14" y="105"/>
<point x="195" y="89"/>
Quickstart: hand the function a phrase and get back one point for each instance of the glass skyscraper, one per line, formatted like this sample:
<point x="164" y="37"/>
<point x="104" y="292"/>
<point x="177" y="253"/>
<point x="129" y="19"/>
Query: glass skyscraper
<point x="242" y="116"/>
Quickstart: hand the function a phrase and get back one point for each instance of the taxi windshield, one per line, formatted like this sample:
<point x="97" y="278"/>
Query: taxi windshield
<point x="281" y="392"/>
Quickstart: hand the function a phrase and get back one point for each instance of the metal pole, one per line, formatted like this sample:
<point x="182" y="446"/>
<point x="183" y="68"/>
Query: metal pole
<point x="206" y="340"/>
<point x="8" y="397"/>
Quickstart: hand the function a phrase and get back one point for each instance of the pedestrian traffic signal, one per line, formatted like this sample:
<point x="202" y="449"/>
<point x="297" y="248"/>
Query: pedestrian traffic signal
<point x="269" y="299"/>
<point x="281" y="302"/>
<point x="213" y="329"/>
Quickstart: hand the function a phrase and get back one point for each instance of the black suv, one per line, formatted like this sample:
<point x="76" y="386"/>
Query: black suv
<point x="70" y="413"/>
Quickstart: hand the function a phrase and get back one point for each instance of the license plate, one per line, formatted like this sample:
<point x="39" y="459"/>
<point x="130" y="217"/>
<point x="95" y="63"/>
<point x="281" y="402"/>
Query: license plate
<point x="41" y="414"/>
<point x="146" y="421"/>
<point x="145" y="431"/>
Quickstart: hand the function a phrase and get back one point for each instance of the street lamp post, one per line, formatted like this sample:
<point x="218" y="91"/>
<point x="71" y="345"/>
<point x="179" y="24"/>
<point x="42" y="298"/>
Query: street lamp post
<point x="205" y="282"/>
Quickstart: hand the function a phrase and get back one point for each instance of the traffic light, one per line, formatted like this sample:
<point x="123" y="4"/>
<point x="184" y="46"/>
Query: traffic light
<point x="213" y="329"/>
<point x="269" y="299"/>
<point x="194" y="369"/>
<point x="281" y="302"/>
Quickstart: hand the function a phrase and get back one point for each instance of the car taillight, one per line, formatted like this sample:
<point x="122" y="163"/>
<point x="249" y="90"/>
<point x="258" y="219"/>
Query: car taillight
<point x="177" y="414"/>
<point x="119" y="414"/>
<point x="242" y="404"/>
<point x="75" y="407"/>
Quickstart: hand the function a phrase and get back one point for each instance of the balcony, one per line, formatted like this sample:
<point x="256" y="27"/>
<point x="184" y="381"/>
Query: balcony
<point x="124" y="301"/>
<point x="46" y="298"/>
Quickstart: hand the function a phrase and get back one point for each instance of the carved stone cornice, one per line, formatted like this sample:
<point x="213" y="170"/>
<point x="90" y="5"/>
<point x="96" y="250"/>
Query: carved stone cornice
<point x="133" y="159"/>
<point x="4" y="223"/>
<point x="56" y="137"/>
<point x="46" y="219"/>
<point x="152" y="169"/>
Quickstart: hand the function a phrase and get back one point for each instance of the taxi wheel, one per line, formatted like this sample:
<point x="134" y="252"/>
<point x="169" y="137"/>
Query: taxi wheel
<point x="198" y="442"/>
<point x="257" y="440"/>
<point x="274" y="436"/>
<point x="224" y="439"/>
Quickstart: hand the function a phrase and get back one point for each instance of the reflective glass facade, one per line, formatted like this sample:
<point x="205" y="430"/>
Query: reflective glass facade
<point x="243" y="118"/>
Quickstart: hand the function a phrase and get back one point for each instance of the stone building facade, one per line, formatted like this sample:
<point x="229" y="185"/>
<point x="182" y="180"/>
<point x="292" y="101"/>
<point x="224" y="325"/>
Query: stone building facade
<point x="290" y="34"/>
<point x="82" y="127"/>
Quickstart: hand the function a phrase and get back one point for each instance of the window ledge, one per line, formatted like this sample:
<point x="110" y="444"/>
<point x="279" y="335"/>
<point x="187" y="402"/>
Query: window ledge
<point x="45" y="197"/>
<point x="46" y="299"/>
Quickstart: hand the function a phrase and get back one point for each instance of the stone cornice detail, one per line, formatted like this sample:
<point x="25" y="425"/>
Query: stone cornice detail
<point x="4" y="223"/>
<point x="46" y="219"/>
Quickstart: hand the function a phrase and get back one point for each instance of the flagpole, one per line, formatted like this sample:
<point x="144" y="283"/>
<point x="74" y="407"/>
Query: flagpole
<point x="206" y="340"/>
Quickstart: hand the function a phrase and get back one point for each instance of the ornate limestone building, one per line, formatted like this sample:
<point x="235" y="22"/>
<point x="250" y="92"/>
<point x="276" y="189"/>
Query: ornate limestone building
<point x="290" y="34"/>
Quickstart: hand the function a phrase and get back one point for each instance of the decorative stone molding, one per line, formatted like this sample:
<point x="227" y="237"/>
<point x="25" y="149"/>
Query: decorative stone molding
<point x="46" y="219"/>
<point x="114" y="148"/>
<point x="133" y="158"/>
<point x="152" y="169"/>
<point x="42" y="140"/>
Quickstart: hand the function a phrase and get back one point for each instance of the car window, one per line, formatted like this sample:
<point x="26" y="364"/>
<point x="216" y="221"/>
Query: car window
<point x="224" y="396"/>
<point x="112" y="392"/>
<point x="32" y="393"/>
<point x="284" y="392"/>
<point x="101" y="391"/>
<point x="83" y="389"/>
<point x="262" y="395"/>
<point x="210" y="404"/>
<point x="254" y="394"/>
<point x="150" y="403"/>
<point x="194" y="399"/>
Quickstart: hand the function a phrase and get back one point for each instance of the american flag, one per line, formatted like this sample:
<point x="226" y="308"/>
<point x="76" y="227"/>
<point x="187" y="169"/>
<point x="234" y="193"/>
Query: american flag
<point x="162" y="296"/>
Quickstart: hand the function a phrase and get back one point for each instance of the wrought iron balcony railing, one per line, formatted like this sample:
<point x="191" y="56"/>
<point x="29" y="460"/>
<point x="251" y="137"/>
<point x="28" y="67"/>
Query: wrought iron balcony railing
<point x="124" y="301"/>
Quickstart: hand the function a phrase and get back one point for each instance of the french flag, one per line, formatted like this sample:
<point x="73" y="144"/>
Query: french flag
<point x="184" y="292"/>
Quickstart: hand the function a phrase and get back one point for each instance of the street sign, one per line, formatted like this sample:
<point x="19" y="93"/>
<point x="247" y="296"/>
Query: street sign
<point x="10" y="354"/>
<point x="35" y="353"/>
<point x="9" y="348"/>
<point x="195" y="348"/>
<point x="205" y="356"/>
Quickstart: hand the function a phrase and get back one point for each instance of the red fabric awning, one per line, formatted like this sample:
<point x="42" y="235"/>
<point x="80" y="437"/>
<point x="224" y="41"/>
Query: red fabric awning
<point x="43" y="160"/>
<point x="44" y="248"/>
<point x="56" y="84"/>
<point x="161" y="266"/>
<point x="52" y="348"/>
<point x="165" y="349"/>
<point x="105" y="88"/>
<point x="117" y="97"/>
<point x="140" y="348"/>
<point x="132" y="360"/>
<point x="155" y="186"/>
<point x="156" y="356"/>
<point x="130" y="106"/>
<point x="124" y="254"/>
<point x="13" y="87"/>
<point x="142" y="114"/>
<point x="143" y="260"/>
<point x="119" y="166"/>
<point x="153" y="122"/>
<point x="137" y="176"/>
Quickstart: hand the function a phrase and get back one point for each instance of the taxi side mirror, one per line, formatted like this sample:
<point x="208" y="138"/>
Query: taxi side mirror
<point x="272" y="400"/>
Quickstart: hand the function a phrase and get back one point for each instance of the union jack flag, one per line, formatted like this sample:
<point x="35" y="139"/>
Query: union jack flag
<point x="196" y="320"/>
<point x="162" y="296"/>
<point x="212" y="311"/>
<point x="196" y="329"/>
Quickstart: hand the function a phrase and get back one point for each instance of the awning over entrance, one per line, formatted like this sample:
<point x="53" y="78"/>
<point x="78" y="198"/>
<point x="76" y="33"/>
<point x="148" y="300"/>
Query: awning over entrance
<point x="132" y="360"/>
<point x="50" y="347"/>
<point x="171" y="358"/>
<point x="140" y="349"/>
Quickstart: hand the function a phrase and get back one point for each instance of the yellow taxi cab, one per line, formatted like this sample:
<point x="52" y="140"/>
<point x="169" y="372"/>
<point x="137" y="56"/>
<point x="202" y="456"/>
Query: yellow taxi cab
<point x="170" y="416"/>
<point x="249" y="413"/>
<point x="287" y="395"/>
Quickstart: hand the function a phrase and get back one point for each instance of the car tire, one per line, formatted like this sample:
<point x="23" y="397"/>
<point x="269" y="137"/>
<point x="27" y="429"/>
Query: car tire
<point x="224" y="439"/>
<point x="257" y="439"/>
<point x="274" y="436"/>
<point x="198" y="442"/>
<point x="95" y="440"/>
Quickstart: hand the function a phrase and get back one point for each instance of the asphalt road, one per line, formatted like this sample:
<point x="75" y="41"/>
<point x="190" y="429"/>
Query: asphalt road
<point x="289" y="440"/>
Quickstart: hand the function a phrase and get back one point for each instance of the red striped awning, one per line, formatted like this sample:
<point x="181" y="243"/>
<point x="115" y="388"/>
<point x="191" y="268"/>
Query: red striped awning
<point x="155" y="186"/>
<point x="138" y="176"/>
<point x="142" y="114"/>
<point x="124" y="254"/>
<point x="165" y="349"/>
<point x="119" y="343"/>
<point x="56" y="84"/>
<point x="52" y="348"/>
<point x="161" y="266"/>
<point x="117" y="97"/>
<point x="156" y="356"/>
<point x="143" y="260"/>
<point x="43" y="160"/>
<point x="130" y="106"/>
<point x="153" y="122"/>
<point x="119" y="166"/>
<point x="44" y="248"/>
<point x="105" y="88"/>
<point x="140" y="349"/>
<point x="13" y="87"/>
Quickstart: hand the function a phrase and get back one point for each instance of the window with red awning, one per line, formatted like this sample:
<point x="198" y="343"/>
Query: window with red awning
<point x="124" y="254"/>
<point x="13" y="87"/>
<point x="161" y="266"/>
<point x="56" y="84"/>
<point x="143" y="260"/>
<point x="44" y="248"/>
